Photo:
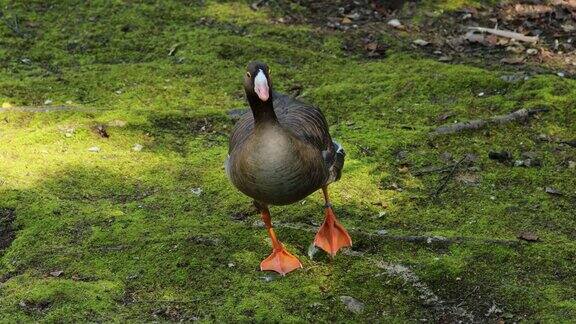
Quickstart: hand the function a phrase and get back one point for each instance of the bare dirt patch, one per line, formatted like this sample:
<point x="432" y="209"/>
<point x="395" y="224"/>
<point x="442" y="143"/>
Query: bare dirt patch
<point x="7" y="232"/>
<point x="371" y="26"/>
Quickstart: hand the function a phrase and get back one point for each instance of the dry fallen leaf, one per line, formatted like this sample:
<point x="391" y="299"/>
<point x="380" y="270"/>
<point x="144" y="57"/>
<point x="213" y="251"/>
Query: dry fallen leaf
<point x="346" y="21"/>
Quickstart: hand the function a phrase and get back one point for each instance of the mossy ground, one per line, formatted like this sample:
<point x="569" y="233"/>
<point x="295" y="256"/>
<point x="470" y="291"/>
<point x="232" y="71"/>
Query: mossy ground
<point x="135" y="243"/>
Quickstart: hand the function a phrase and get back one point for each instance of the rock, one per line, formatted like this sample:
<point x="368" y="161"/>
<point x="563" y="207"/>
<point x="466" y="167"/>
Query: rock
<point x="502" y="156"/>
<point x="531" y="51"/>
<point x="420" y="42"/>
<point x="94" y="149"/>
<point x="395" y="23"/>
<point x="571" y="164"/>
<point x="56" y="273"/>
<point x="352" y="304"/>
<point x="553" y="191"/>
<point x="137" y="147"/>
<point x="48" y="102"/>
<point x="267" y="278"/>
<point x="561" y="74"/>
<point x="196" y="191"/>
<point x="382" y="232"/>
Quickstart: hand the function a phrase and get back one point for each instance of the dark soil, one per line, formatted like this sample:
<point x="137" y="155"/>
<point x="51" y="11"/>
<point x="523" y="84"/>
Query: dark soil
<point x="7" y="233"/>
<point x="366" y="23"/>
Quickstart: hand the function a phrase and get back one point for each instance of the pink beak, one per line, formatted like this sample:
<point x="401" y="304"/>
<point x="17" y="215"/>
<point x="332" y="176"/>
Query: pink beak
<point x="261" y="86"/>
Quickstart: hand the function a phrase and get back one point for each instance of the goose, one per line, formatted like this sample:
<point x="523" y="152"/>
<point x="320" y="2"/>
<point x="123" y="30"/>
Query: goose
<point x="279" y="154"/>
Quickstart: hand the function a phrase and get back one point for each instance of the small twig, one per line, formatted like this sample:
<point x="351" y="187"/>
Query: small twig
<point x="441" y="169"/>
<point x="434" y="169"/>
<point x="14" y="27"/>
<point x="506" y="33"/>
<point x="448" y="177"/>
<point x="475" y="124"/>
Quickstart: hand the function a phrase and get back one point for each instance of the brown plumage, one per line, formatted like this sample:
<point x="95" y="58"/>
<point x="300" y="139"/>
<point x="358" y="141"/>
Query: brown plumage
<point x="280" y="153"/>
<point x="284" y="160"/>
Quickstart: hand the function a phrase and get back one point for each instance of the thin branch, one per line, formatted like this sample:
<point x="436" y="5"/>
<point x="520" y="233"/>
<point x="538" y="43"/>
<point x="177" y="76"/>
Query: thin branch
<point x="441" y="169"/>
<point x="447" y="178"/>
<point x="518" y="115"/>
<point x="506" y="33"/>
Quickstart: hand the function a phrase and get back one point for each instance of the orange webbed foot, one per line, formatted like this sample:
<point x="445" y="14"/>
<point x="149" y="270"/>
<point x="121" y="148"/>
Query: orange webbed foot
<point x="332" y="236"/>
<point x="280" y="261"/>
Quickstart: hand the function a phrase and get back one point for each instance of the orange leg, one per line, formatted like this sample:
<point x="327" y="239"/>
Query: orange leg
<point x="280" y="260"/>
<point x="331" y="236"/>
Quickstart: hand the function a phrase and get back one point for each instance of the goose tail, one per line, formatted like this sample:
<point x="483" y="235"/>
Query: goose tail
<point x="338" y="164"/>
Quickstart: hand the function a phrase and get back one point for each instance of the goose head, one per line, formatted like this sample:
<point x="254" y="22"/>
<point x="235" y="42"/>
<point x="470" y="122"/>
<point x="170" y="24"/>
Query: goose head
<point x="257" y="83"/>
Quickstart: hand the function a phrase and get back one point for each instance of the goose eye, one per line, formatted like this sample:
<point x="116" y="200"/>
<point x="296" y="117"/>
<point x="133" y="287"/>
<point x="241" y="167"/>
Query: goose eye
<point x="248" y="74"/>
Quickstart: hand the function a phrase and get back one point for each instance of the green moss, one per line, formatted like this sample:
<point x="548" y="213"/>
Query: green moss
<point x="135" y="243"/>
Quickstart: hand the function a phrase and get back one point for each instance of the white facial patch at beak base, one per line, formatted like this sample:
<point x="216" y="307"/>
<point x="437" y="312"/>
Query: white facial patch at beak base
<point x="261" y="86"/>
